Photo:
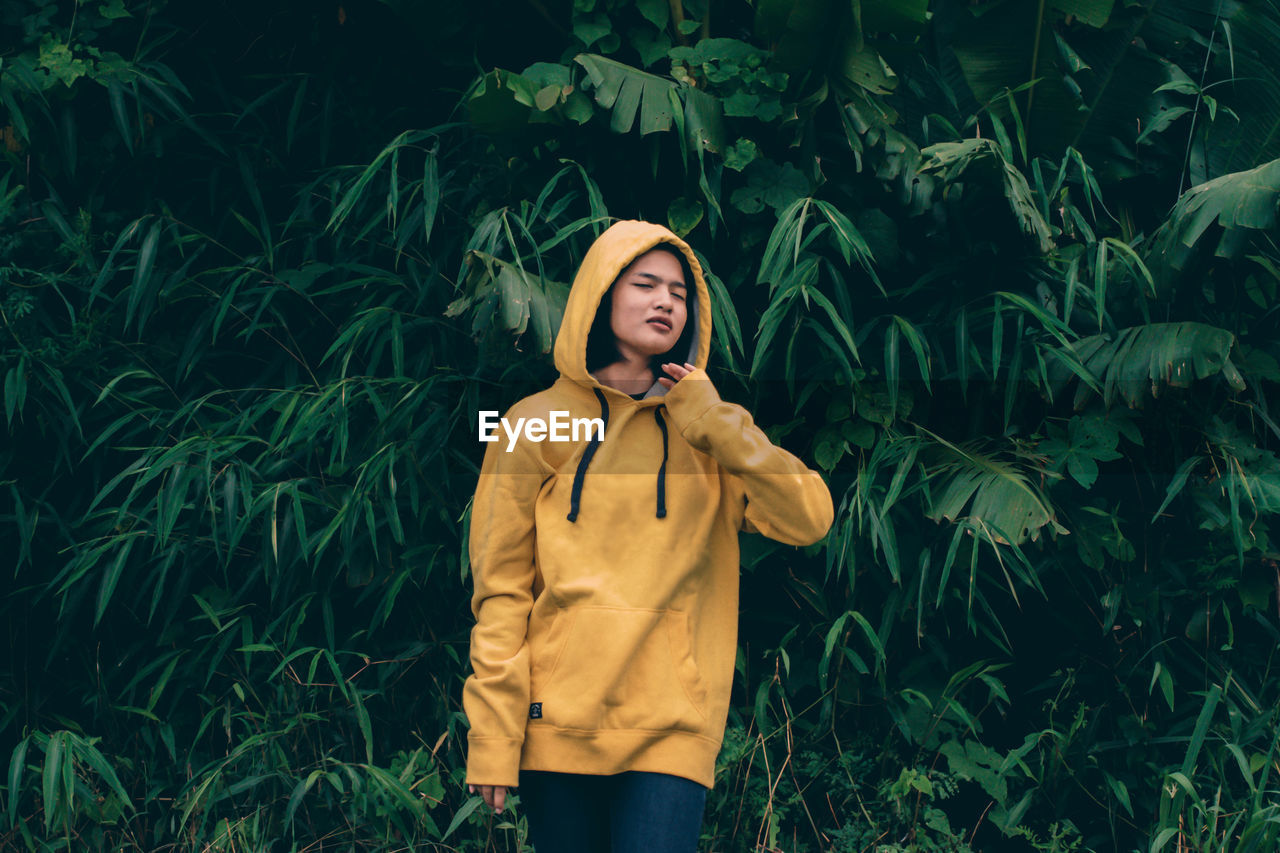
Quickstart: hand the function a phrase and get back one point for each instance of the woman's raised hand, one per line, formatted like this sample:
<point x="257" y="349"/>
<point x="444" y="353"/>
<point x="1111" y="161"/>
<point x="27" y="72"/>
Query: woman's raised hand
<point x="676" y="372"/>
<point x="494" y="795"/>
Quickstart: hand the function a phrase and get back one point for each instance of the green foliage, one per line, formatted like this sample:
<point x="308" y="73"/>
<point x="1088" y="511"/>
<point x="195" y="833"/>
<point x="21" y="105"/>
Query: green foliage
<point x="1007" y="274"/>
<point x="952" y="159"/>
<point x="1239" y="202"/>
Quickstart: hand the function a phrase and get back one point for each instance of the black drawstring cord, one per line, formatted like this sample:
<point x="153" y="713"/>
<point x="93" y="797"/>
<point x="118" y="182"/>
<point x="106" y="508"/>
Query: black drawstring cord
<point x="575" y="497"/>
<point x="662" y="469"/>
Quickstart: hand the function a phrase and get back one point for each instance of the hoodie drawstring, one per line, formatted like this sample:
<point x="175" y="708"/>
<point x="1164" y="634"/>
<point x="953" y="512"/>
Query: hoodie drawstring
<point x="662" y="469"/>
<point x="575" y="497"/>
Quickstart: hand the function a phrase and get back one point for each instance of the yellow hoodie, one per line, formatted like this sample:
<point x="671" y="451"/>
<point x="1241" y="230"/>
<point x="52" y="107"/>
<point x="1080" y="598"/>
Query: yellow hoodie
<point x="606" y="572"/>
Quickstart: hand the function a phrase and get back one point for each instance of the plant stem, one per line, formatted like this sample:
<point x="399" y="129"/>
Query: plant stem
<point x="677" y="18"/>
<point x="1035" y="62"/>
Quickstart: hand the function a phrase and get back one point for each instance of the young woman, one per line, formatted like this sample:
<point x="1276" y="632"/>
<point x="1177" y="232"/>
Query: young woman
<point x="606" y="568"/>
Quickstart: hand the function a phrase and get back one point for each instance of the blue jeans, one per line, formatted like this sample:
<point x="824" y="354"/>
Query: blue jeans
<point x="632" y="812"/>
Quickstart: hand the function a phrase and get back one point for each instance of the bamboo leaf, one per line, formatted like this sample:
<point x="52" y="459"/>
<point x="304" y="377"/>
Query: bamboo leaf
<point x="462" y="814"/>
<point x="17" y="770"/>
<point x="872" y="637"/>
<point x="96" y="760"/>
<point x="891" y="371"/>
<point x="1201" y="729"/>
<point x="919" y="347"/>
<point x="845" y="336"/>
<point x="111" y="578"/>
<point x="824" y="663"/>
<point x="1177" y="483"/>
<point x="15" y="390"/>
<point x="51" y="779"/>
<point x="142" y="278"/>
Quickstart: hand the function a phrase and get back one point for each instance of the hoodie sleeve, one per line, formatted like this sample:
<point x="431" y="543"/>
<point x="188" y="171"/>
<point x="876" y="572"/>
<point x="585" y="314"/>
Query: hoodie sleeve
<point x="786" y="500"/>
<point x="496" y="696"/>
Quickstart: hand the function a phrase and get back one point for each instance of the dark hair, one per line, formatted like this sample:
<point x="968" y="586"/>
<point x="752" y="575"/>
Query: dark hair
<point x="602" y="346"/>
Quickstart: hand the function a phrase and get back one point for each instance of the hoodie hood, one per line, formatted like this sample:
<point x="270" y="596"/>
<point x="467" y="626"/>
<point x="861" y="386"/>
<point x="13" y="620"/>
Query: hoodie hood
<point x="611" y="253"/>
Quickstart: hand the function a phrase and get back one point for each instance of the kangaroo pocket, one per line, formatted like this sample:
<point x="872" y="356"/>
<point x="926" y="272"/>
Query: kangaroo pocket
<point x="620" y="668"/>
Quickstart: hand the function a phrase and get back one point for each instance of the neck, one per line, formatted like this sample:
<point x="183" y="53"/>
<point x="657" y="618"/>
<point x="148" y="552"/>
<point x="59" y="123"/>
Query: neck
<point x="629" y="375"/>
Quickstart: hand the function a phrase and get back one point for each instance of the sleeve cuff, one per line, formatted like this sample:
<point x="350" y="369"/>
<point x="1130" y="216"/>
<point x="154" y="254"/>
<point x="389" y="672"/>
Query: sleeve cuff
<point x="493" y="761"/>
<point x="691" y="398"/>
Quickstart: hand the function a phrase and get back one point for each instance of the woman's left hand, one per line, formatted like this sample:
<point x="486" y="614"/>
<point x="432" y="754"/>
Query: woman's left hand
<point x="676" y="372"/>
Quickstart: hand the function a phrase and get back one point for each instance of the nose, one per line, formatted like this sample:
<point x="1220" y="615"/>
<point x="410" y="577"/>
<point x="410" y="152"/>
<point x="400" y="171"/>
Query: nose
<point x="663" y="298"/>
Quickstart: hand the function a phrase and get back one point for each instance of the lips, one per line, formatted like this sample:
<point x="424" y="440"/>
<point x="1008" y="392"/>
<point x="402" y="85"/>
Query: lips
<point x="660" y="322"/>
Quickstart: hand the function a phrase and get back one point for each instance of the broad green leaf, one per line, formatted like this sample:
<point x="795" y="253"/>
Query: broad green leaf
<point x="982" y="487"/>
<point x="740" y="154"/>
<point x="683" y="215"/>
<point x="113" y="9"/>
<point x="904" y="18"/>
<point x="652" y="45"/>
<point x="703" y="125"/>
<point x="657" y="12"/>
<point x="1141" y="360"/>
<point x="866" y="68"/>
<point x="497" y="290"/>
<point x="951" y="160"/>
<point x="592" y="28"/>
<point x="629" y="92"/>
<point x="1093" y="13"/>
<point x="1243" y="204"/>
<point x="769" y="184"/>
<point x="503" y="102"/>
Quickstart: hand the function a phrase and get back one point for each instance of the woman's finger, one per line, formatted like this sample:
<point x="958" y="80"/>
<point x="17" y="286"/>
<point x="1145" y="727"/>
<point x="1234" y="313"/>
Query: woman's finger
<point x="675" y="370"/>
<point x="494" y="796"/>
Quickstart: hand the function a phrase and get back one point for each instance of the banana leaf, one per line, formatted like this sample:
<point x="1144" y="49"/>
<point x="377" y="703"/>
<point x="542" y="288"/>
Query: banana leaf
<point x="952" y="159"/>
<point x="504" y="295"/>
<point x="629" y="92"/>
<point x="1240" y="202"/>
<point x="1142" y="360"/>
<point x="990" y="493"/>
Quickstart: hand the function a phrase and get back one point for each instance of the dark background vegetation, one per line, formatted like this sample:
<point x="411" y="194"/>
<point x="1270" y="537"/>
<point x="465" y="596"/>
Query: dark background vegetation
<point x="1004" y="271"/>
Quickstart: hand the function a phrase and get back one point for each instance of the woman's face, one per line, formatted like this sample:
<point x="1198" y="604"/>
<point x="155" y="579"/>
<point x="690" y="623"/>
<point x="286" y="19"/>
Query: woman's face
<point x="649" y="310"/>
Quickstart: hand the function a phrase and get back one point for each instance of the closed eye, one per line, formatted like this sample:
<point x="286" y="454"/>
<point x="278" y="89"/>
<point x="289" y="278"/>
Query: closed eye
<point x="647" y="285"/>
